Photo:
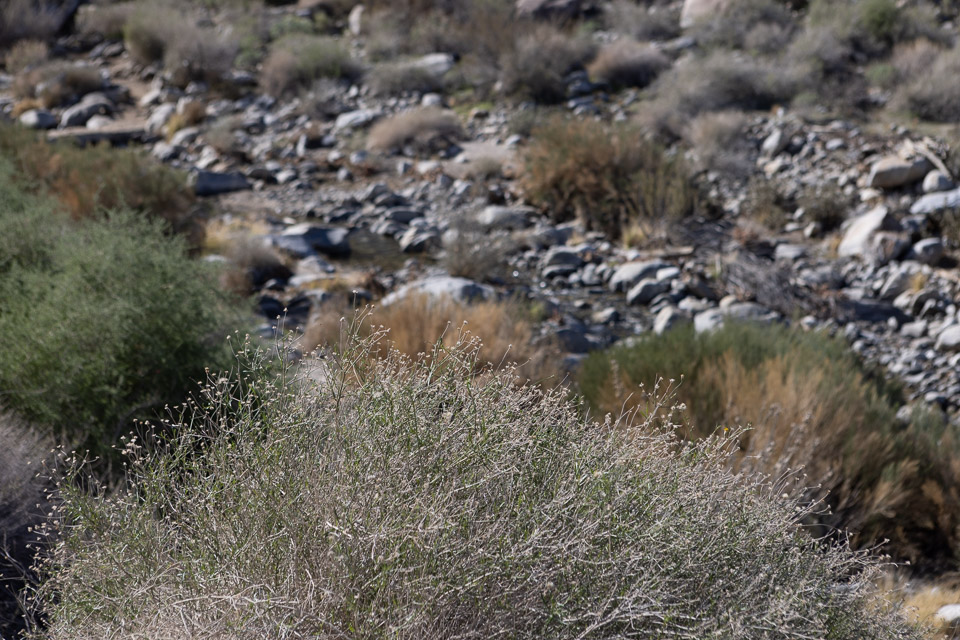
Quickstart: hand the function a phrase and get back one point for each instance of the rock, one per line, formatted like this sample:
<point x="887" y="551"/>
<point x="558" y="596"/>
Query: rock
<point x="892" y="172"/>
<point x="773" y="144"/>
<point x="885" y="246"/>
<point x="933" y="202"/>
<point x="949" y="338"/>
<point x="936" y="181"/>
<point x="211" y="183"/>
<point x="507" y="218"/>
<point x="165" y="152"/>
<point x="916" y="329"/>
<point x="434" y="64"/>
<point x="305" y="239"/>
<point x="38" y="119"/>
<point x="575" y="340"/>
<point x="856" y="239"/>
<point x="552" y="9"/>
<point x="91" y="105"/>
<point x="99" y="122"/>
<point x="646" y="290"/>
<point x="927" y="251"/>
<point x="669" y="318"/>
<point x="898" y="281"/>
<point x="419" y="240"/>
<point x="402" y="215"/>
<point x="355" y="20"/>
<point x="789" y="252"/>
<point x="459" y="290"/>
<point x="713" y="319"/>
<point x="631" y="273"/>
<point x="356" y="119"/>
<point x="560" y="261"/>
<point x="159" y="117"/>
<point x="695" y="10"/>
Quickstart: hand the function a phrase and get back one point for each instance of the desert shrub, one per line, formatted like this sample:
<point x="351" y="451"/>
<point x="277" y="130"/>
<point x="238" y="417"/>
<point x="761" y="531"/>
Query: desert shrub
<point x="107" y="20"/>
<point x="608" y="176"/>
<point x="718" y="143"/>
<point x="627" y="64"/>
<point x="717" y="82"/>
<point x="294" y="62"/>
<point x="289" y="24"/>
<point x="392" y="78"/>
<point x="27" y="20"/>
<point x="543" y="56"/>
<point x="762" y="25"/>
<point x="810" y="403"/>
<point x="26" y="54"/>
<point x="104" y="320"/>
<point x="423" y="130"/>
<point x="23" y="510"/>
<point x="931" y="94"/>
<point x="160" y="33"/>
<point x="100" y="177"/>
<point x="407" y="498"/>
<point x="57" y="84"/>
<point x="826" y="204"/>
<point x="471" y="251"/>
<point x="642" y="22"/>
<point x="251" y="265"/>
<point x="765" y="203"/>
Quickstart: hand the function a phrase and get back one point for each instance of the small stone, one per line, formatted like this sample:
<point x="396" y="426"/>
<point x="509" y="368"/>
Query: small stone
<point x="38" y="119"/>
<point x="936" y="181"/>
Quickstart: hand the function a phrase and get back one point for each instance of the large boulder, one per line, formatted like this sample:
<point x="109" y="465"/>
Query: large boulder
<point x="949" y="338"/>
<point x="306" y="239"/>
<point x="629" y="274"/>
<point x="892" y="172"/>
<point x="859" y="234"/>
<point x="933" y="202"/>
<point x="507" y="218"/>
<point x="91" y="105"/>
<point x="439" y="287"/>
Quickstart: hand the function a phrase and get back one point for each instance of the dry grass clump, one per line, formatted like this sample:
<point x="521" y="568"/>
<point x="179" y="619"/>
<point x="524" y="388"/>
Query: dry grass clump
<point x="57" y="83"/>
<point x="96" y="178"/>
<point x="932" y="94"/>
<point x="107" y="20"/>
<point x="393" y="78"/>
<point x="720" y="81"/>
<point x="26" y="54"/>
<point x="27" y="20"/>
<point x="23" y="506"/>
<point x="252" y="263"/>
<point x="718" y="142"/>
<point x="424" y="130"/>
<point x="765" y="26"/>
<point x="295" y="62"/>
<point x="406" y="498"/>
<point x="417" y="323"/>
<point x="543" y="55"/>
<point x="810" y="404"/>
<point x="608" y="176"/>
<point x="642" y="21"/>
<point x="162" y="33"/>
<point x="627" y="64"/>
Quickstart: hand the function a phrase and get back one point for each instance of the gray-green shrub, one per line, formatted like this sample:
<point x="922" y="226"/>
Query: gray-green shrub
<point x="411" y="500"/>
<point x="104" y="320"/>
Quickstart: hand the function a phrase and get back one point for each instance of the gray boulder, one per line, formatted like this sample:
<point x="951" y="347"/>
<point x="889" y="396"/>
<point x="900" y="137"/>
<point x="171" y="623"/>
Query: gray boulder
<point x="159" y="117"/>
<point x="629" y="274"/>
<point x="356" y="119"/>
<point x="560" y="261"/>
<point x="669" y="318"/>
<point x="646" y="290"/>
<point x="892" y="172"/>
<point x="211" y="183"/>
<point x="92" y="104"/>
<point x="308" y="238"/>
<point x="933" y="202"/>
<point x="459" y="290"/>
<point x="696" y="10"/>
<point x="949" y="338"/>
<point x="419" y="240"/>
<point x="936" y="181"/>
<point x="508" y="218"/>
<point x="38" y="119"/>
<point x="740" y="311"/>
<point x="927" y="251"/>
<point x="856" y="239"/>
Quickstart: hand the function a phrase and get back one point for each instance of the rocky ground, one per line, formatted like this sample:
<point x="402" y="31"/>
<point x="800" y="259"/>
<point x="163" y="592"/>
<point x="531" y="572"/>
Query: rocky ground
<point x="886" y="280"/>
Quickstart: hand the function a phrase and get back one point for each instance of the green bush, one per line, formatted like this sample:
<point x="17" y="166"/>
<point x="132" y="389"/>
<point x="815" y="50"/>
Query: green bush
<point x="411" y="500"/>
<point x="103" y="321"/>
<point x="608" y="176"/>
<point x="811" y="404"/>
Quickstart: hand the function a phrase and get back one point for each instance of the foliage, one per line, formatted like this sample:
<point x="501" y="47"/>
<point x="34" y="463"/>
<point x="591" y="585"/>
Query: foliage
<point x="536" y="67"/>
<point x="408" y="499"/>
<point x="296" y="61"/>
<point x="608" y="176"/>
<point x="810" y="404"/>
<point x="425" y="129"/>
<point x="104" y="320"/>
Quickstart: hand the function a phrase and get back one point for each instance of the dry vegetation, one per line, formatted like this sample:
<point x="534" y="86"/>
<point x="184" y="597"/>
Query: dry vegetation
<point x="627" y="64"/>
<point x="406" y="498"/>
<point x="27" y="20"/>
<point x="294" y="62"/>
<point x="608" y="176"/>
<point x="57" y="83"/>
<point x="542" y="57"/>
<point x="418" y="324"/>
<point x="809" y="404"/>
<point x="425" y="130"/>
